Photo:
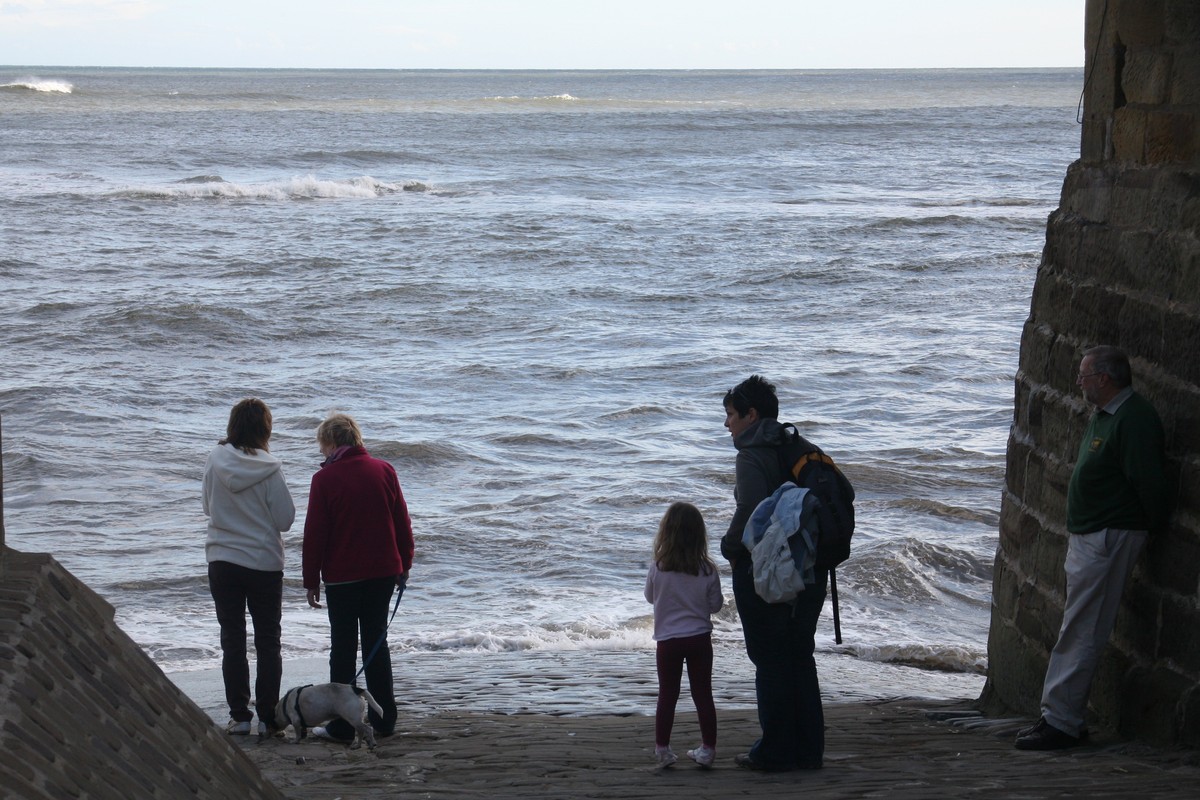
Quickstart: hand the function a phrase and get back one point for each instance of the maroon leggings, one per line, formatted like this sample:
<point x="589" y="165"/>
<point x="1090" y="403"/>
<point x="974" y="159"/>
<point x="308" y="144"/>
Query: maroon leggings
<point x="670" y="657"/>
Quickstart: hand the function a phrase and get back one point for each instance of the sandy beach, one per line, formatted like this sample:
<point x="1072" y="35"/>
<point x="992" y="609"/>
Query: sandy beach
<point x="899" y="748"/>
<point x="896" y="748"/>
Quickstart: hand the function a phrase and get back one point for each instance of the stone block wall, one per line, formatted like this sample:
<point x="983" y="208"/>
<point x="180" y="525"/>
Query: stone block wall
<point x="1121" y="265"/>
<point x="84" y="713"/>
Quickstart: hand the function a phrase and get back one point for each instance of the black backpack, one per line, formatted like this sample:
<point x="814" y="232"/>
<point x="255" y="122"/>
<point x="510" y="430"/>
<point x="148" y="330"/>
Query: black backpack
<point x="808" y="467"/>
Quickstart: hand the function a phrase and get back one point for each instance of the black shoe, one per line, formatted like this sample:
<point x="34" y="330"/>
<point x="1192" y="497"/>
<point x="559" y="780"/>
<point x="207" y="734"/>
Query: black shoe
<point x="322" y="732"/>
<point x="1044" y="736"/>
<point x="1023" y="732"/>
<point x="746" y="761"/>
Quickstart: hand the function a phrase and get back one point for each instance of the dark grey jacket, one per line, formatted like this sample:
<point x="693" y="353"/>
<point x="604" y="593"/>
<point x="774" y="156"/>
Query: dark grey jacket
<point x="758" y="474"/>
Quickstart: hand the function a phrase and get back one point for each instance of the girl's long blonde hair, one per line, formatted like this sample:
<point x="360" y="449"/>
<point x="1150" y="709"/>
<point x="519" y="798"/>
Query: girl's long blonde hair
<point x="681" y="544"/>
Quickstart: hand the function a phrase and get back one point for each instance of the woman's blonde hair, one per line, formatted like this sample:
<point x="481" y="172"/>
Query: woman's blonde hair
<point x="340" y="430"/>
<point x="681" y="544"/>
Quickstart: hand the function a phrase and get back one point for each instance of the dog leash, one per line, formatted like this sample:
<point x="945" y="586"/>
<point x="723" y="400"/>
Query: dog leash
<point x="382" y="636"/>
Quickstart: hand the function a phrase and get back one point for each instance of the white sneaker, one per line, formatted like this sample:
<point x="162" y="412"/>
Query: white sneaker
<point x="665" y="757"/>
<point x="703" y="755"/>
<point x="235" y="728"/>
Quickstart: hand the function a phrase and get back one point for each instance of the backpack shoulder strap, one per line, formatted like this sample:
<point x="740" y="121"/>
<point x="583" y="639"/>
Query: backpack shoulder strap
<point x="796" y="452"/>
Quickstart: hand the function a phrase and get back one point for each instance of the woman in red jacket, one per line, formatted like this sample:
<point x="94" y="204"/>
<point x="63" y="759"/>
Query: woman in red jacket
<point x="358" y="540"/>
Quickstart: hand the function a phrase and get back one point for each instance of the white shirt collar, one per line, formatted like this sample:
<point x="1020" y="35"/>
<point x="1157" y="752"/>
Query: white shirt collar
<point x="1121" y="396"/>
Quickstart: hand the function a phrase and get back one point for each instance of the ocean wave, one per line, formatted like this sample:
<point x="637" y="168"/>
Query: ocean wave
<point x="634" y="411"/>
<point x="51" y="309"/>
<point x="364" y="156"/>
<point x="577" y="637"/>
<point x="306" y="187"/>
<point x="11" y="267"/>
<point x="922" y="656"/>
<point x="305" y="423"/>
<point x="46" y="85"/>
<point x="188" y="657"/>
<point x="985" y="202"/>
<point x="559" y="98"/>
<point x="423" y="453"/>
<point x="933" y="507"/>
<point x="180" y="319"/>
<point x="197" y="583"/>
<point x="529" y="439"/>
<point x="936" y="220"/>
<point x="908" y="571"/>
<point x="922" y="472"/>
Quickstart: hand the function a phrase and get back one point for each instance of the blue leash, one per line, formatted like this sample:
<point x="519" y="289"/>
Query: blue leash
<point x="383" y="636"/>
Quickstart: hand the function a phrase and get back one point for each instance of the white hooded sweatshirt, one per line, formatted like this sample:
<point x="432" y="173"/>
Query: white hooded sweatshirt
<point x="248" y="506"/>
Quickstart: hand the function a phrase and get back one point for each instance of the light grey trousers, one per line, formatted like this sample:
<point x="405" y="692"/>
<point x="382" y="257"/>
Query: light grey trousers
<point x="1097" y="566"/>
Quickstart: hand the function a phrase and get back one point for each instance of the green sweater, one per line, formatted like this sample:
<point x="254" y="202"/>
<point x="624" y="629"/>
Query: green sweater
<point x="1118" y="480"/>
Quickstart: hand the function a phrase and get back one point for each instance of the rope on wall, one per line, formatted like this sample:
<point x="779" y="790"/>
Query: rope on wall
<point x="1092" y="68"/>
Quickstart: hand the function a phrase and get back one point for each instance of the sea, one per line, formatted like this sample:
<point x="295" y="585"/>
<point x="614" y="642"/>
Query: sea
<point x="532" y="290"/>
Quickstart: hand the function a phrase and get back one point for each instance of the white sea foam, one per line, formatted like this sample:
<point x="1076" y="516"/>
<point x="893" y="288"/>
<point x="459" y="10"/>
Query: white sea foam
<point x="307" y="187"/>
<point x="553" y="97"/>
<point x="49" y="85"/>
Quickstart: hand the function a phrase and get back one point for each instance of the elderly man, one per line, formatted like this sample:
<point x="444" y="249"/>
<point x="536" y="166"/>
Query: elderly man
<point x="1117" y="494"/>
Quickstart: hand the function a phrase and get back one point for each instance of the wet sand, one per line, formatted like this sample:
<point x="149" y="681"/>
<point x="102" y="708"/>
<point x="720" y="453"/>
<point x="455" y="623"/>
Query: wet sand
<point x="901" y="748"/>
<point x="896" y="748"/>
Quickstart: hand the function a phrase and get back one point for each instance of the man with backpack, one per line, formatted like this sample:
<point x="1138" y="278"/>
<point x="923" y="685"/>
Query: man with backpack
<point x="779" y="636"/>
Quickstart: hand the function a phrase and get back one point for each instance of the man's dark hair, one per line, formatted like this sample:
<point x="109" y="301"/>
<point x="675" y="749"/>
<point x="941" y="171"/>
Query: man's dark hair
<point x="755" y="392"/>
<point x="1113" y="362"/>
<point x="249" y="426"/>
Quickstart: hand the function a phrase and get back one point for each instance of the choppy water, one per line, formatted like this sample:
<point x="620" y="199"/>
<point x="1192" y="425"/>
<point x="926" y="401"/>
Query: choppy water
<point x="532" y="290"/>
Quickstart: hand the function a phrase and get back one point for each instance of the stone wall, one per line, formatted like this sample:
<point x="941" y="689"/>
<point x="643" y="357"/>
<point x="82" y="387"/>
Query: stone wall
<point x="85" y="713"/>
<point x="1121" y="265"/>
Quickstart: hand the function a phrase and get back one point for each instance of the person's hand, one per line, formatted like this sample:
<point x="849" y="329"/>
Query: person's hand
<point x="314" y="598"/>
<point x="402" y="580"/>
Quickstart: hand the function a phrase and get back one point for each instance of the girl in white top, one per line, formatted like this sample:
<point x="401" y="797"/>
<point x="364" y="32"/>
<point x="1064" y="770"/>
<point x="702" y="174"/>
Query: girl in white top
<point x="685" y="589"/>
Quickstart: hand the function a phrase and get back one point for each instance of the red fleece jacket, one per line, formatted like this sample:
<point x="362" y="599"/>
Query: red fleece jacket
<point x="357" y="526"/>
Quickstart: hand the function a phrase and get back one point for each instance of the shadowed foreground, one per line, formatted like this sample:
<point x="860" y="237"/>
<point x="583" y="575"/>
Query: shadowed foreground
<point x="895" y="749"/>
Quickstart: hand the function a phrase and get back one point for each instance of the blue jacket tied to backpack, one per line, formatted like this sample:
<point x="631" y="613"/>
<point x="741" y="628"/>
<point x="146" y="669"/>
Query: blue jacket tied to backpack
<point x="781" y="536"/>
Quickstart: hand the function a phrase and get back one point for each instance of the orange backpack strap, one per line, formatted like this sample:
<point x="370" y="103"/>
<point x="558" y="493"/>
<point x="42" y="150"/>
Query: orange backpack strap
<point x="806" y="459"/>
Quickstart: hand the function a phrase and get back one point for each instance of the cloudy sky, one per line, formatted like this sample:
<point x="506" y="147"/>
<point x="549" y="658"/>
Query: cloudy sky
<point x="544" y="34"/>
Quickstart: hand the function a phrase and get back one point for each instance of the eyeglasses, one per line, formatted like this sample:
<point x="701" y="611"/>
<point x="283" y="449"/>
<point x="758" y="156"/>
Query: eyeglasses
<point x="1082" y="375"/>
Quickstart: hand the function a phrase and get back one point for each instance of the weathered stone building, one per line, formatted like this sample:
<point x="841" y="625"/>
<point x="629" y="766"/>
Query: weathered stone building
<point x="1121" y="265"/>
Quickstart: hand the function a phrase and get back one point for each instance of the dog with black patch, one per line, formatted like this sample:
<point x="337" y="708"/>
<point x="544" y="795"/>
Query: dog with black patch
<point x="305" y="707"/>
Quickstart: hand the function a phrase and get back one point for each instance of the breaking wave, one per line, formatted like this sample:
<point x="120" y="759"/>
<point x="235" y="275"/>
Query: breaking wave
<point x="306" y="187"/>
<point x="40" y="85"/>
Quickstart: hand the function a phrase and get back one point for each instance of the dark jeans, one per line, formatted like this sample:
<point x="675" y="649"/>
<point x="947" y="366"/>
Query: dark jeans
<point x="780" y="642"/>
<point x="362" y="608"/>
<point x="670" y="656"/>
<point x="234" y="589"/>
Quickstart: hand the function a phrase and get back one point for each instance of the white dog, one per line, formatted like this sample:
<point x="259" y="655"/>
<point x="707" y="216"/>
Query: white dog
<point x="306" y="707"/>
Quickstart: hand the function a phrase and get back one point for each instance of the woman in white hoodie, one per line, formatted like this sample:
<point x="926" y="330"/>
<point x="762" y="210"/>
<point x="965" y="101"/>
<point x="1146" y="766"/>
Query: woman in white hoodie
<point x="248" y="506"/>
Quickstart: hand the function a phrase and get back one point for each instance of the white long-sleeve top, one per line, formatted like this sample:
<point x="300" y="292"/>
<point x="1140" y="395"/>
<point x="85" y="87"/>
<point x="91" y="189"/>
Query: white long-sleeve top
<point x="683" y="604"/>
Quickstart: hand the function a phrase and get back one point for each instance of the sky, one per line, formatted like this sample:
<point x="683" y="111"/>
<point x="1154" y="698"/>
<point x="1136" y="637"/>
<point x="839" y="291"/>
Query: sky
<point x="543" y="34"/>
